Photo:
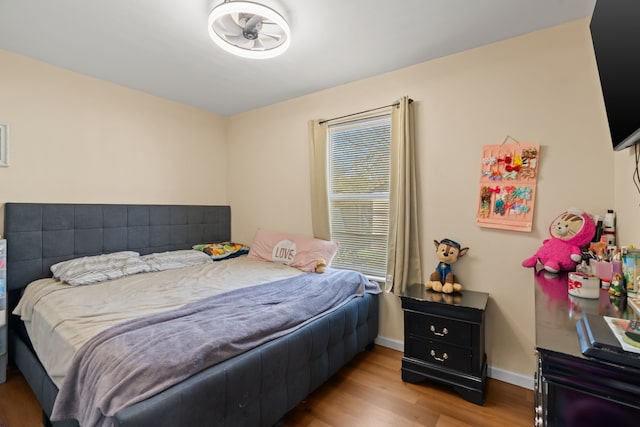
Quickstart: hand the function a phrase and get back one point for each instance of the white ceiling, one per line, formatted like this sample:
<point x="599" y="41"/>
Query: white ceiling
<point x="162" y="46"/>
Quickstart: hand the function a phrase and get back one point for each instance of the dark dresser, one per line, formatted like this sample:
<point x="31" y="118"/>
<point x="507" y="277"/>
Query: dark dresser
<point x="570" y="389"/>
<point x="444" y="339"/>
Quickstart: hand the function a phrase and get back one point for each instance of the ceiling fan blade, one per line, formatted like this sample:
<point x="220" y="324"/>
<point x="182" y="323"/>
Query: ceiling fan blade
<point x="253" y="22"/>
<point x="237" y="40"/>
<point x="258" y="44"/>
<point x="270" y="26"/>
<point x="230" y="25"/>
<point x="273" y="36"/>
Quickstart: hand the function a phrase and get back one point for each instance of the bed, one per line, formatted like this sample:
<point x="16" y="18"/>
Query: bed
<point x="256" y="387"/>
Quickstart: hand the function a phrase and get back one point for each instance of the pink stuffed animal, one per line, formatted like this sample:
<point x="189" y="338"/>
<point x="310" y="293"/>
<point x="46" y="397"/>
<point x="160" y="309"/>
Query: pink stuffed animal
<point x="570" y="231"/>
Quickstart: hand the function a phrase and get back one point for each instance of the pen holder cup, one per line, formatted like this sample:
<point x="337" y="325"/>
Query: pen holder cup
<point x="605" y="270"/>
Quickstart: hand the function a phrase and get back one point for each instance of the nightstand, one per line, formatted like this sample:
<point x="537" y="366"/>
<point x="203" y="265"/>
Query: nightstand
<point x="444" y="339"/>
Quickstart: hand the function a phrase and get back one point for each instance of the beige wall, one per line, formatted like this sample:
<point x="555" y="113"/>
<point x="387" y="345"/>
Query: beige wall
<point x="79" y="139"/>
<point x="542" y="88"/>
<point x="627" y="198"/>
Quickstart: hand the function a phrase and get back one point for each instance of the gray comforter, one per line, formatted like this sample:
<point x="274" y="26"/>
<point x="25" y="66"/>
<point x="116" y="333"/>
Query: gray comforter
<point x="138" y="359"/>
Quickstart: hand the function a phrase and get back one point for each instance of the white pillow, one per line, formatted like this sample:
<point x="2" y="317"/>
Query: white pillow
<point x="98" y="268"/>
<point x="175" y="259"/>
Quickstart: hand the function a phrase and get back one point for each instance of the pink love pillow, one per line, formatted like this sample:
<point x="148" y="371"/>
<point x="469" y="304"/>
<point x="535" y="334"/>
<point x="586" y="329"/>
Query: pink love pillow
<point x="294" y="250"/>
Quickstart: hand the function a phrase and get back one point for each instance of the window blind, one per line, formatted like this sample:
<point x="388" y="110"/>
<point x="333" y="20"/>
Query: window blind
<point x="359" y="180"/>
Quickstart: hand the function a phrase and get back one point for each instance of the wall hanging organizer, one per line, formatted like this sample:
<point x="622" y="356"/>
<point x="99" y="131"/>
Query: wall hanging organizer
<point x="508" y="177"/>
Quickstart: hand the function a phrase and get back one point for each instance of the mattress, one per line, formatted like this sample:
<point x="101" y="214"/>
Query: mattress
<point x="111" y="344"/>
<point x="60" y="318"/>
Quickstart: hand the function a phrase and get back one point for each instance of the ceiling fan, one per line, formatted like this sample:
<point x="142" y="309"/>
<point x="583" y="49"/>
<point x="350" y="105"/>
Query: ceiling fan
<point x="248" y="29"/>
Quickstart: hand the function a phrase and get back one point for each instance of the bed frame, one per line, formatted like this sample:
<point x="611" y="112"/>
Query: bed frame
<point x="256" y="388"/>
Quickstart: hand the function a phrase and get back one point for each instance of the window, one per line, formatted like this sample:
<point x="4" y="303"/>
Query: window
<point x="359" y="179"/>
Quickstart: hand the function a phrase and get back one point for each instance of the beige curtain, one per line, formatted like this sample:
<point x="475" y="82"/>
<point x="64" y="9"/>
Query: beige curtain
<point x="404" y="263"/>
<point x="318" y="166"/>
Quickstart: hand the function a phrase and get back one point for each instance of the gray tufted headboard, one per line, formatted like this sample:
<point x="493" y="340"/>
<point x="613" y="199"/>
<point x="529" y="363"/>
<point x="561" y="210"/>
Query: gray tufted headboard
<point x="42" y="234"/>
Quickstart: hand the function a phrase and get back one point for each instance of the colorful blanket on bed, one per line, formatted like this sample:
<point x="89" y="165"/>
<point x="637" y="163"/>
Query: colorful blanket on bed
<point x="138" y="359"/>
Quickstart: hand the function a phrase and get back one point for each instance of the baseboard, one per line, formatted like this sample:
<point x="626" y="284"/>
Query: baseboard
<point x="492" y="372"/>
<point x="520" y="380"/>
<point x="390" y="343"/>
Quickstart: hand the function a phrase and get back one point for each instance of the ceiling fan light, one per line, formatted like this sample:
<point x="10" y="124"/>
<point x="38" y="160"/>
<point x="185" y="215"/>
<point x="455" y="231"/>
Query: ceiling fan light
<point x="258" y="49"/>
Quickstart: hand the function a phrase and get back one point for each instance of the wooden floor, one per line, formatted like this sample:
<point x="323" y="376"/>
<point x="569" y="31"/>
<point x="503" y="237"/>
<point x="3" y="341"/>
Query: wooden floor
<point x="368" y="392"/>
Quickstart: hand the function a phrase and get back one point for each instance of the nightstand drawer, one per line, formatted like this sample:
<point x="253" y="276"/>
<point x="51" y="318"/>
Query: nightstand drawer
<point x="438" y="328"/>
<point x="440" y="354"/>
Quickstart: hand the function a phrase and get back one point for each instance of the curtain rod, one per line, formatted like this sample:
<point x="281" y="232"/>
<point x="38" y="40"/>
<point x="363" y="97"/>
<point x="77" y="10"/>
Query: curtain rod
<point x="395" y="104"/>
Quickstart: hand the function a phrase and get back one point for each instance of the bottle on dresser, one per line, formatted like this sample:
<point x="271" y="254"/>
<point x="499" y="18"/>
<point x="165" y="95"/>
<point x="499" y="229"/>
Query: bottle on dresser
<point x="609" y="227"/>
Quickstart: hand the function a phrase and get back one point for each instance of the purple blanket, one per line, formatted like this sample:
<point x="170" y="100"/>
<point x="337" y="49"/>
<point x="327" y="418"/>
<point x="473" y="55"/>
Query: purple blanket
<point x="138" y="359"/>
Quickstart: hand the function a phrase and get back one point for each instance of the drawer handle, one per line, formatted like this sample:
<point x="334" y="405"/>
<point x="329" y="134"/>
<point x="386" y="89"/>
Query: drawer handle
<point x="444" y="332"/>
<point x="444" y="357"/>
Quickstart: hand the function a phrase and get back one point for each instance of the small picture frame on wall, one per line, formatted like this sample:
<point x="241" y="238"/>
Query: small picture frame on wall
<point x="4" y="144"/>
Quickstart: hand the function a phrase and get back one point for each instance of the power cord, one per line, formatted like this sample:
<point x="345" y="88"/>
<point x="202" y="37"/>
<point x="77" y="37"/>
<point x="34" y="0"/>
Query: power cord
<point x="636" y="172"/>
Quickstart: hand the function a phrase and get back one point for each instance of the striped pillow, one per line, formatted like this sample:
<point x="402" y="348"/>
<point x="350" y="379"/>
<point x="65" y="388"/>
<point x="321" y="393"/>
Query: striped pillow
<point x="161" y="261"/>
<point x="98" y="268"/>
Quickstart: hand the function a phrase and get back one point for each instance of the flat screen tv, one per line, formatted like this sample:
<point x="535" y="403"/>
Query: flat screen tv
<point x="615" y="31"/>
